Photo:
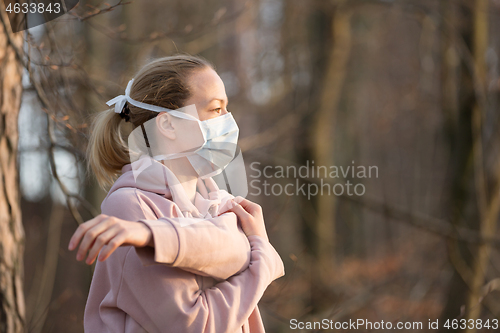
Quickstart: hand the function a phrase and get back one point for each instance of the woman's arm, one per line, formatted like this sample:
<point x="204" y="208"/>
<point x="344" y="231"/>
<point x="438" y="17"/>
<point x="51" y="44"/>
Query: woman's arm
<point x="192" y="233"/>
<point x="175" y="303"/>
<point x="215" y="247"/>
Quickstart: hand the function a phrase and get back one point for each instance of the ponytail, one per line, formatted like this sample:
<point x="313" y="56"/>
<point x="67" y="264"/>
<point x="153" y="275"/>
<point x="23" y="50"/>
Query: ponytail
<point x="107" y="153"/>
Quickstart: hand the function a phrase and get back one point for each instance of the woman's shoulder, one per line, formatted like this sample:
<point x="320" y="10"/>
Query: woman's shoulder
<point x="134" y="204"/>
<point x="122" y="196"/>
<point x="123" y="203"/>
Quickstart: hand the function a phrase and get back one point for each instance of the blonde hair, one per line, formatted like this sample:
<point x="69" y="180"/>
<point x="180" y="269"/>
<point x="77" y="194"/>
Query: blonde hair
<point x="162" y="82"/>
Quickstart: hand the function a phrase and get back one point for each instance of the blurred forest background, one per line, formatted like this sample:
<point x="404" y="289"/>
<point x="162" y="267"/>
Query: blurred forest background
<point x="409" y="86"/>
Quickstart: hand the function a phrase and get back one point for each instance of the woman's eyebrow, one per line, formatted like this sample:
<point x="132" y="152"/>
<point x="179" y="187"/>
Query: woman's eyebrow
<point x="219" y="99"/>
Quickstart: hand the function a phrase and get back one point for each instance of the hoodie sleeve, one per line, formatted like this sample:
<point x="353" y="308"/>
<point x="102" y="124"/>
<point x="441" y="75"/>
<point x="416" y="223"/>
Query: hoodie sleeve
<point x="174" y="305"/>
<point x="214" y="247"/>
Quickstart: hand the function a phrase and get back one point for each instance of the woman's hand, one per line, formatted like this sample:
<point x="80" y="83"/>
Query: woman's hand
<point x="250" y="216"/>
<point x="107" y="233"/>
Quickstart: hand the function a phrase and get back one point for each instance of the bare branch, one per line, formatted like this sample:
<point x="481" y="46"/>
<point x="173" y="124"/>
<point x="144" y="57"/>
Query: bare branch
<point x="97" y="11"/>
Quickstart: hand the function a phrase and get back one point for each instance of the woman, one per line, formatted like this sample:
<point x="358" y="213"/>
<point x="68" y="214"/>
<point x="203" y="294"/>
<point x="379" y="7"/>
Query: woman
<point x="171" y="255"/>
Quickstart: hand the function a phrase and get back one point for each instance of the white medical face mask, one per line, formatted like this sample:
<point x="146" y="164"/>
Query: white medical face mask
<point x="220" y="136"/>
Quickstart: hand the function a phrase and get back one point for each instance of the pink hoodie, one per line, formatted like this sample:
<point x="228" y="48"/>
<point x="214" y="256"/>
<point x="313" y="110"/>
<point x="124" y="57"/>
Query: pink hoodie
<point x="200" y="277"/>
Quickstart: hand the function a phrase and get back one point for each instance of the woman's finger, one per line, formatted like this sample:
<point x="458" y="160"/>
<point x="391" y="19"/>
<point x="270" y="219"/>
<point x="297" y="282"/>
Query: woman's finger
<point x="100" y="241"/>
<point x="112" y="245"/>
<point x="91" y="235"/>
<point x="248" y="205"/>
<point x="240" y="212"/>
<point x="244" y="217"/>
<point x="82" y="229"/>
<point x="238" y="199"/>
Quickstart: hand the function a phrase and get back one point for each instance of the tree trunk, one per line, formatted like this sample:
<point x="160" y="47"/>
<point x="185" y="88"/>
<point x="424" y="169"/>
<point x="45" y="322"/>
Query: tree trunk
<point x="469" y="197"/>
<point x="333" y="38"/>
<point x="457" y="102"/>
<point x="488" y="207"/>
<point x="324" y="130"/>
<point x="11" y="229"/>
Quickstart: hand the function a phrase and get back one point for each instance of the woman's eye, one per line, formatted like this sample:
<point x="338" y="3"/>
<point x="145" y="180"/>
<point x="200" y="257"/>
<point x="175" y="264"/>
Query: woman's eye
<point x="217" y="110"/>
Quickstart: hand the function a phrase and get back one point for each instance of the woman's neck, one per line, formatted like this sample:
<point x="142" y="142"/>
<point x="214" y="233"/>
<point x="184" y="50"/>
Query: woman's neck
<point x="185" y="173"/>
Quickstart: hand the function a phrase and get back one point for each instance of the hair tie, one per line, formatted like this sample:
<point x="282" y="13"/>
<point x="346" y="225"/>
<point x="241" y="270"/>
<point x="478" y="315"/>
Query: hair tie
<point x="125" y="113"/>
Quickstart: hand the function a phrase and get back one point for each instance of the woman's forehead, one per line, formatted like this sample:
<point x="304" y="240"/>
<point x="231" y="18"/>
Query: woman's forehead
<point x="207" y="85"/>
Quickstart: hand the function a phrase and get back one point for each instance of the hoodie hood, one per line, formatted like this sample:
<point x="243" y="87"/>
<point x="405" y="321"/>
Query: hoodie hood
<point x="144" y="174"/>
<point x="149" y="175"/>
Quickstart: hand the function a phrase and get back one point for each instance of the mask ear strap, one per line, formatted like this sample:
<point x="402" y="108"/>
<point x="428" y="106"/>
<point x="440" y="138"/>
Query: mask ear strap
<point x="238" y="151"/>
<point x="147" y="141"/>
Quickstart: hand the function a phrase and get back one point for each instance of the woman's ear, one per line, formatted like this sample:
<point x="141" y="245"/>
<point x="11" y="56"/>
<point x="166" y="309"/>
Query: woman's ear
<point x="165" y="125"/>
